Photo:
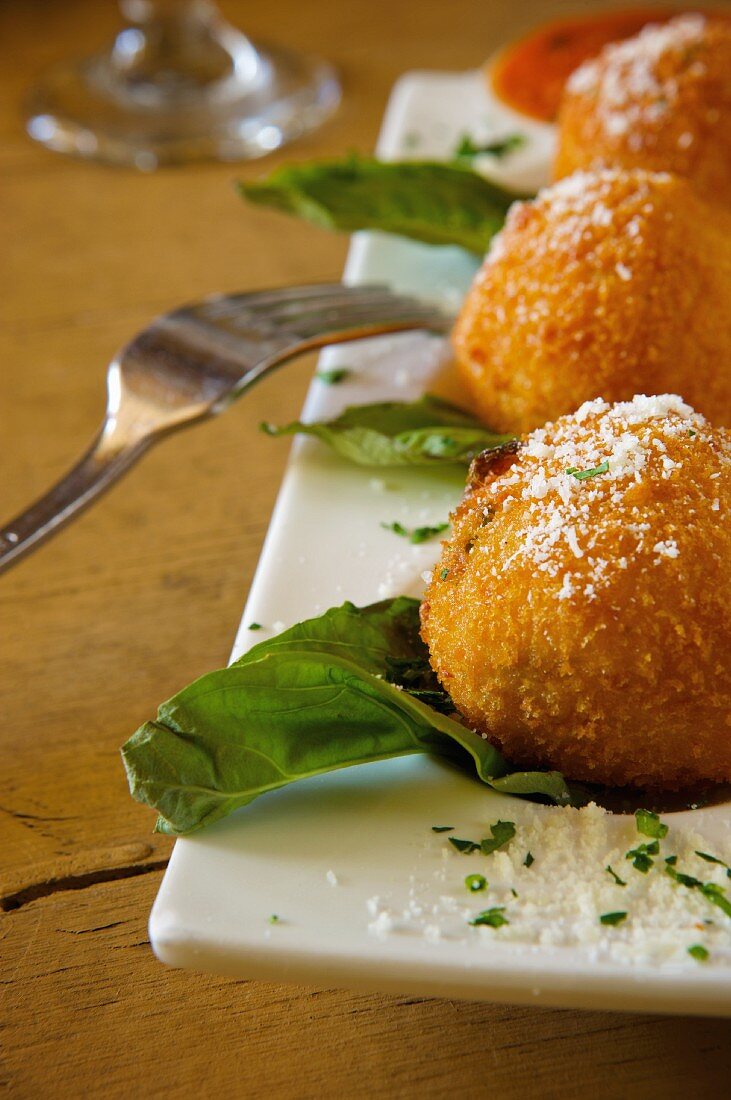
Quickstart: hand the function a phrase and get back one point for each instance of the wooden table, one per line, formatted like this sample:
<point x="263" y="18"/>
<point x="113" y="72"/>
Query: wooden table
<point x="144" y="593"/>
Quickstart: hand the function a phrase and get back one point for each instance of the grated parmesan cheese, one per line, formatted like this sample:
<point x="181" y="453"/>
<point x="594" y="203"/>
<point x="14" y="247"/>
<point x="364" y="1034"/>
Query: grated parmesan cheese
<point x="566" y="889"/>
<point x="632" y="83"/>
<point x="577" y="482"/>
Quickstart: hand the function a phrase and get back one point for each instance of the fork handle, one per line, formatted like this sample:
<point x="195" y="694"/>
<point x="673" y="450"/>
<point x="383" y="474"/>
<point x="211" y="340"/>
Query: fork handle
<point x="96" y="470"/>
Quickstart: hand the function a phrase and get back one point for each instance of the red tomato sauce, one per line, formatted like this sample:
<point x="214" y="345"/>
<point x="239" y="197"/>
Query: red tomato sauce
<point x="529" y="75"/>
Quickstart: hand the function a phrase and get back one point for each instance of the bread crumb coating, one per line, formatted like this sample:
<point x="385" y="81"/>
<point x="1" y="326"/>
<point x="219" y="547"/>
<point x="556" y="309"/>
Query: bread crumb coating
<point x="610" y="282"/>
<point x="580" y="616"/>
<point x="660" y="100"/>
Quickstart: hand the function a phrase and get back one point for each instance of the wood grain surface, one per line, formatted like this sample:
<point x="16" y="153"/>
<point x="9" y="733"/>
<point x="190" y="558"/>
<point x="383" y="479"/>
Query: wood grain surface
<point x="144" y="593"/>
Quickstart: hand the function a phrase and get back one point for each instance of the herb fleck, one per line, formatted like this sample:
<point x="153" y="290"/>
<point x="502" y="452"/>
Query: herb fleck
<point x="615" y="876"/>
<point x="529" y="859"/>
<point x="468" y="149"/>
<point x="422" y="534"/>
<point x="334" y="376"/>
<point x="685" y="880"/>
<point x="698" y="951"/>
<point x="254" y="626"/>
<point x="442" y="828"/>
<point x="582" y="475"/>
<point x="443" y="574"/>
<point x="640" y="856"/>
<point x="417" y="534"/>
<point x="397" y="528"/>
<point x="710" y="891"/>
<point x="502" y="832"/>
<point x="493" y="918"/>
<point x="274" y="919"/>
<point x="475" y="883"/>
<point x="613" y="918"/>
<point x="716" y="896"/>
<point x="465" y="846"/>
<point x="691" y="433"/>
<point x="714" y="859"/>
<point x="649" y="824"/>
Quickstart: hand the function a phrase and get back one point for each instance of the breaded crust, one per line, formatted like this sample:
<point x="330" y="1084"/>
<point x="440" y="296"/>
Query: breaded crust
<point x="660" y="101"/>
<point x="584" y="623"/>
<point x="611" y="282"/>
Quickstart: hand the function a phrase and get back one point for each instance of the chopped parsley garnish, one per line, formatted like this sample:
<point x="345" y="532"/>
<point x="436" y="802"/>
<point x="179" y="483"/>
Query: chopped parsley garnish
<point x="254" y="626"/>
<point x="640" y="856"/>
<point x="716" y="896"/>
<point x="423" y="534"/>
<point x="502" y="832"/>
<point x="692" y="432"/>
<point x="397" y="528"/>
<point x="649" y="824"/>
<point x="529" y="859"/>
<point x="513" y="891"/>
<point x="615" y="876"/>
<point x="493" y="918"/>
<point x="582" y="475"/>
<point x="416" y="534"/>
<point x="474" y="883"/>
<point x="710" y="891"/>
<point x="613" y="918"/>
<point x="698" y="951"/>
<point x="443" y="574"/>
<point x="332" y="377"/>
<point x="442" y="828"/>
<point x="274" y="919"/>
<point x="714" y="859"/>
<point x="465" y="846"/>
<point x="685" y="880"/>
<point x="468" y="149"/>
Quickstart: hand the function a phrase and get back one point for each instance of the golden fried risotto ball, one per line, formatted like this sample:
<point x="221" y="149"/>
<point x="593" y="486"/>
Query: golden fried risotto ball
<point x="609" y="282"/>
<point x="660" y="100"/>
<point x="580" y="616"/>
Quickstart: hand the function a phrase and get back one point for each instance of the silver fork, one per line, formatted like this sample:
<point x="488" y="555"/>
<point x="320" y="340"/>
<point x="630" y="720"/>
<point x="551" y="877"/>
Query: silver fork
<point x="192" y="363"/>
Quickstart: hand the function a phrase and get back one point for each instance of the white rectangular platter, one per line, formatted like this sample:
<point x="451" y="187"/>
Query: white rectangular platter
<point x="366" y="894"/>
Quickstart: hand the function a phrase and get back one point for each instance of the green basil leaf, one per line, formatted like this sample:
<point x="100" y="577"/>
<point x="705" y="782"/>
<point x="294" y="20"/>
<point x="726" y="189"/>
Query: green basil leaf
<point x="311" y="700"/>
<point x="437" y="203"/>
<point x="427" y="432"/>
<point x="551" y="785"/>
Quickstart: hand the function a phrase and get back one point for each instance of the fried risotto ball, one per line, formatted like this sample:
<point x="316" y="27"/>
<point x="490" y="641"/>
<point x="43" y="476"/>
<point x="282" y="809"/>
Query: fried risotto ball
<point x="580" y="616"/>
<point x="609" y="282"/>
<point x="660" y="100"/>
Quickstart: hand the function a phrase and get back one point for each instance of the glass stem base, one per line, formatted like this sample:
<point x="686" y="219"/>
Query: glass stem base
<point x="174" y="89"/>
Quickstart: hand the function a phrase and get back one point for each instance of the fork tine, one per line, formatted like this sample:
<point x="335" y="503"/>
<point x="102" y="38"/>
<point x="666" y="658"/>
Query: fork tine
<point x="228" y="304"/>
<point x="324" y="322"/>
<point x="192" y="362"/>
<point x="290" y="312"/>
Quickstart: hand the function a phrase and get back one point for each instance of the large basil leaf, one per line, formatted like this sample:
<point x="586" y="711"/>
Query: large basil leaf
<point x="316" y="698"/>
<point x="426" y="432"/>
<point x="427" y="201"/>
